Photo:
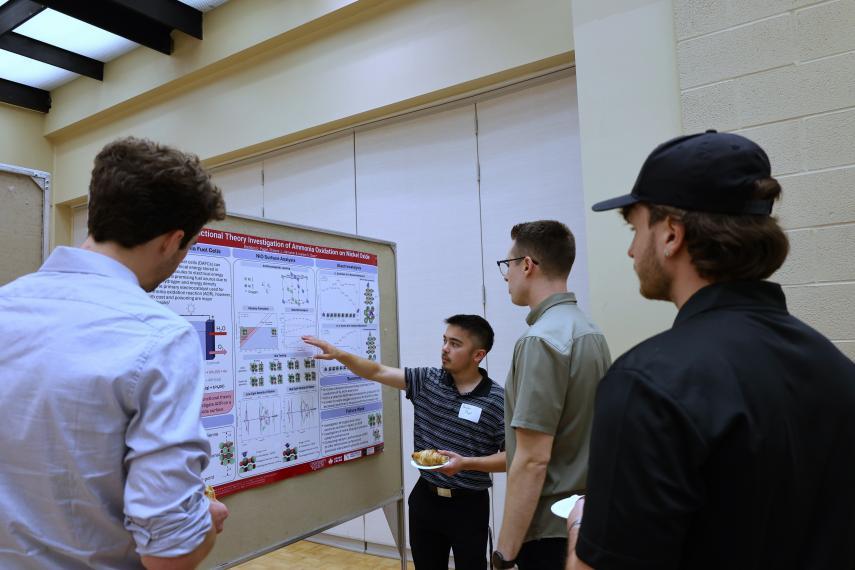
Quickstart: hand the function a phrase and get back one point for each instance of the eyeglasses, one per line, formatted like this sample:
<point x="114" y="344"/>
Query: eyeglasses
<point x="505" y="264"/>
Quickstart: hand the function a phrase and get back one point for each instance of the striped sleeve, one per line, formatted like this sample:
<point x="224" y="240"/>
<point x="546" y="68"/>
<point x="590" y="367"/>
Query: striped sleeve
<point x="413" y="381"/>
<point x="500" y="426"/>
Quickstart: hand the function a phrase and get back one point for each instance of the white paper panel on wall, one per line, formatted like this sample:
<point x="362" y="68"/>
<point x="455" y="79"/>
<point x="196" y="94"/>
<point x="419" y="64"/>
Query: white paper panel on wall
<point x="416" y="185"/>
<point x="313" y="186"/>
<point x="530" y="169"/>
<point x="79" y="220"/>
<point x="241" y="188"/>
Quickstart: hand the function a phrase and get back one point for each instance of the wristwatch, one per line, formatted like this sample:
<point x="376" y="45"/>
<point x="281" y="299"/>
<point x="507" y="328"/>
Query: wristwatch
<point x="500" y="562"/>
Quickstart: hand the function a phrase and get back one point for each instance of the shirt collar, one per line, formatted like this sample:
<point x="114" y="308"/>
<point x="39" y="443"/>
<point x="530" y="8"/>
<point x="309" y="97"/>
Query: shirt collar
<point x="754" y="294"/>
<point x="482" y="389"/>
<point x="548" y="303"/>
<point x="76" y="260"/>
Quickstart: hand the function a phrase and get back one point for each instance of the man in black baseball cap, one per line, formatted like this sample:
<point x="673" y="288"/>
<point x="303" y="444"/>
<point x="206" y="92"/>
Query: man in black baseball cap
<point x="726" y="441"/>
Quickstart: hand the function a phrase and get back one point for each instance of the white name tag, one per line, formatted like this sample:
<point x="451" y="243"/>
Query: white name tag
<point x="470" y="412"/>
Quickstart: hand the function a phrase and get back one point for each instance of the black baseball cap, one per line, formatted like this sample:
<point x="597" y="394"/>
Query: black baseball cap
<point x="706" y="172"/>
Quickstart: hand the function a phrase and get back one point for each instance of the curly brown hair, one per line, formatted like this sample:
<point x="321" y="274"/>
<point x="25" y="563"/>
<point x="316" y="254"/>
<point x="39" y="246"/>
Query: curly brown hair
<point x="141" y="189"/>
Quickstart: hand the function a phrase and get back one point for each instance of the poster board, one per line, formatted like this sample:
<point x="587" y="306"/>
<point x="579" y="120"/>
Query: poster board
<point x="279" y="512"/>
<point x="25" y="200"/>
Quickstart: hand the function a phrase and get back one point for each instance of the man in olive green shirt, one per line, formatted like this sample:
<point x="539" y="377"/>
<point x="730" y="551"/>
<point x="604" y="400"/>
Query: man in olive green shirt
<point x="549" y="395"/>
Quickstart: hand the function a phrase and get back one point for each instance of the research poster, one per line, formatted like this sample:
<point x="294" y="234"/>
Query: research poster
<point x="270" y="409"/>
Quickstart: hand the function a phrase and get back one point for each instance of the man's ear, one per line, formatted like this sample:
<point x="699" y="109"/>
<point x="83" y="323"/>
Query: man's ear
<point x="529" y="266"/>
<point x="675" y="236"/>
<point x="172" y="241"/>
<point x="479" y="355"/>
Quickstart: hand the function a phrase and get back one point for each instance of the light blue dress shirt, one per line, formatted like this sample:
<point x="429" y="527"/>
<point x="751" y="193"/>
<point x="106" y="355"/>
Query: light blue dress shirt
<point x="100" y="398"/>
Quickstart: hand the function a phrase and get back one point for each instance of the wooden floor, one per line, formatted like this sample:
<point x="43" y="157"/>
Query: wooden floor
<point x="307" y="555"/>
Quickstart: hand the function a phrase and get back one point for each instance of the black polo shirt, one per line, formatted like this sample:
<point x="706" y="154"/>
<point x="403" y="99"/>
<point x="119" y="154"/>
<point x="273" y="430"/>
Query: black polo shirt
<point x="725" y="442"/>
<point x="437" y="422"/>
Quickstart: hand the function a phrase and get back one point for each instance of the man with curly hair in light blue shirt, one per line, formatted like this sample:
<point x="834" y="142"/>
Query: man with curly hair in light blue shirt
<point x="101" y="388"/>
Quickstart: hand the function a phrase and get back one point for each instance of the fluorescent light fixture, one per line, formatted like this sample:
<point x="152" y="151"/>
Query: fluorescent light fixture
<point x="68" y="33"/>
<point x="63" y="31"/>
<point x="204" y="5"/>
<point x="34" y="73"/>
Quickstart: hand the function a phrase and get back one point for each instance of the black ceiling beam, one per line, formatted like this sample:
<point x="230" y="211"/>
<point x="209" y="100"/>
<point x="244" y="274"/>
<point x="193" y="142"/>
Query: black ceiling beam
<point x="35" y="49"/>
<point x="24" y="96"/>
<point x="16" y="12"/>
<point x="170" y="13"/>
<point x="117" y="19"/>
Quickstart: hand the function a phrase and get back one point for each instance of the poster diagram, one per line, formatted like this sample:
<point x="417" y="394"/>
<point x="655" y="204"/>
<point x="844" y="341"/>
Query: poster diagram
<point x="205" y="328"/>
<point x="356" y="341"/>
<point x="271" y="410"/>
<point x="296" y="289"/>
<point x="301" y="413"/>
<point x="223" y="463"/>
<point x="347" y="298"/>
<point x="258" y="331"/>
<point x="259" y="418"/>
<point x="295" y="326"/>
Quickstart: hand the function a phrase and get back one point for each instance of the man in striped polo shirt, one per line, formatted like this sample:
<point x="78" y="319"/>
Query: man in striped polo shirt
<point x="460" y="412"/>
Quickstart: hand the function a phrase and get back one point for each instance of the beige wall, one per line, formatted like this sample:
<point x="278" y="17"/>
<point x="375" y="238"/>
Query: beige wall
<point x="628" y="103"/>
<point x="22" y="142"/>
<point x="232" y="33"/>
<point x="781" y="73"/>
<point x="390" y="56"/>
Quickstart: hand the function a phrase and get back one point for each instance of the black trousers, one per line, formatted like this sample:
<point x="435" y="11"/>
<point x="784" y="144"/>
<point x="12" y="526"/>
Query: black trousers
<point x="543" y="554"/>
<point x="442" y="524"/>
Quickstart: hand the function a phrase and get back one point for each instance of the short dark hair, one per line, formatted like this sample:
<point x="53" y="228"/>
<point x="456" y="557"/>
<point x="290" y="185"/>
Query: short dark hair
<point x="475" y="325"/>
<point x="730" y="247"/>
<point x="549" y="242"/>
<point x="141" y="189"/>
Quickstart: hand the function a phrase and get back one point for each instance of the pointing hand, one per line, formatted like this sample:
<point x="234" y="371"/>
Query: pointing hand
<point x="328" y="351"/>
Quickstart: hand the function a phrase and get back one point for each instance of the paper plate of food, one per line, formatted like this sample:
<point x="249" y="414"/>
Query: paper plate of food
<point x="563" y="507"/>
<point x="428" y="459"/>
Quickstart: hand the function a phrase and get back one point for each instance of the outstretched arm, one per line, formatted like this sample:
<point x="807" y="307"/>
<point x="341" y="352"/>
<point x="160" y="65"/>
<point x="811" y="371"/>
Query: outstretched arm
<point x="363" y="367"/>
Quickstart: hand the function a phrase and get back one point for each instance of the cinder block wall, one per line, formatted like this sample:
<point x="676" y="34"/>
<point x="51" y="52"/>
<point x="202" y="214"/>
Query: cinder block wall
<point x="782" y="72"/>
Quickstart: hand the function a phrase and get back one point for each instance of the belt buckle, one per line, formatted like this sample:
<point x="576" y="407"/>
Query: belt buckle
<point x="443" y="492"/>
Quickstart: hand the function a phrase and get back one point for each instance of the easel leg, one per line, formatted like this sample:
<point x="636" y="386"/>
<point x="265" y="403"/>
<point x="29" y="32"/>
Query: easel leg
<point x="395" y="517"/>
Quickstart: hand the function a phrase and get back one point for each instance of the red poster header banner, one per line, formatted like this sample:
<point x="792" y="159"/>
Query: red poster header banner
<point x="244" y="241"/>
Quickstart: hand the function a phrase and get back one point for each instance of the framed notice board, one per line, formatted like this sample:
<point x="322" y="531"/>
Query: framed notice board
<point x="298" y="445"/>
